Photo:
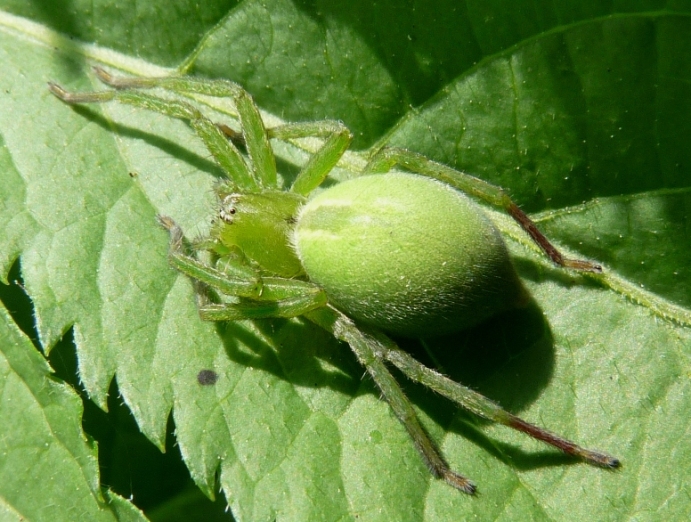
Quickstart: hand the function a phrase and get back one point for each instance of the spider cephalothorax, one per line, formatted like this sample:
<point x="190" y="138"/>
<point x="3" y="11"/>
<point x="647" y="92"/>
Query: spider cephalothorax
<point x="402" y="253"/>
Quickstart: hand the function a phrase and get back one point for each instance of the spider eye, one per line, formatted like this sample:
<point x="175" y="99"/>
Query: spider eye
<point x="226" y="215"/>
<point x="228" y="209"/>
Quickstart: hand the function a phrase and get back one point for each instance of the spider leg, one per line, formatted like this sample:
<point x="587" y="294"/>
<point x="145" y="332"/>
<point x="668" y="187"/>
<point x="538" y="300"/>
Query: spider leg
<point x="258" y="297"/>
<point x="235" y="279"/>
<point x="224" y="151"/>
<point x="337" y="139"/>
<point x="255" y="137"/>
<point x="369" y="350"/>
<point x="387" y="158"/>
<point x="264" y="309"/>
<point x="484" y="407"/>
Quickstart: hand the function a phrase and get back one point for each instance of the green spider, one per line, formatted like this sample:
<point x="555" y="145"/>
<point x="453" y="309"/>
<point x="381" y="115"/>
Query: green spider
<point x="384" y="253"/>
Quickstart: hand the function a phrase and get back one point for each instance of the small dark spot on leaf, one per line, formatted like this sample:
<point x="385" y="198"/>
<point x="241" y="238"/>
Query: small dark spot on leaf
<point x="207" y="377"/>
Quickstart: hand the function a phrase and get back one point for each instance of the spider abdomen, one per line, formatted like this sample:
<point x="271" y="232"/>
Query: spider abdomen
<point x="407" y="254"/>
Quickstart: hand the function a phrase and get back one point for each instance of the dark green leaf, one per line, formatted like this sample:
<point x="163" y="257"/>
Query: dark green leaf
<point x="579" y="109"/>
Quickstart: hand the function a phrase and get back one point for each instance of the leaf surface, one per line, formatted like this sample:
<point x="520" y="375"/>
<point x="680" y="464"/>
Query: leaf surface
<point x="580" y="110"/>
<point x="49" y="469"/>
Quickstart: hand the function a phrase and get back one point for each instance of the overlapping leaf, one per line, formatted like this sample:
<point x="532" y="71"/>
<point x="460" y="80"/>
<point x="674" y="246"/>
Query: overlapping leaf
<point x="578" y="110"/>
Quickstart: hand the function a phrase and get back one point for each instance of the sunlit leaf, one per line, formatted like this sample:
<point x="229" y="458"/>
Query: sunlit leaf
<point x="579" y="110"/>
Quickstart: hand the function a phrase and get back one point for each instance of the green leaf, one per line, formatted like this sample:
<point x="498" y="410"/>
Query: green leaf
<point x="580" y="110"/>
<point x="49" y="467"/>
